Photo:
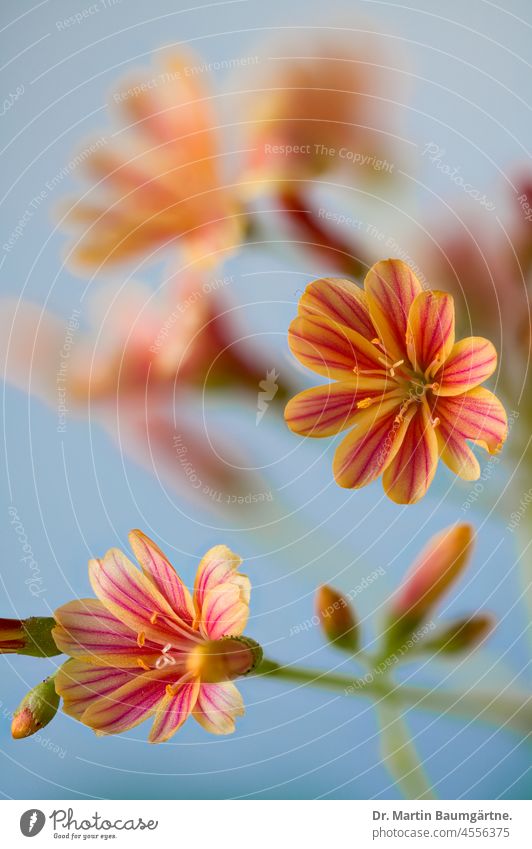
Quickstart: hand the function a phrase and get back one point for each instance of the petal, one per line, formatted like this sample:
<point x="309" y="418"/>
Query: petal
<point x="391" y="288"/>
<point x="217" y="707"/>
<point x="340" y="300"/>
<point x="129" y="705"/>
<point x="326" y="410"/>
<point x="435" y="569"/>
<point x="470" y="363"/>
<point x="411" y="471"/>
<point x="477" y="415"/>
<point x="89" y="632"/>
<point x="223" y="612"/>
<point x="80" y="684"/>
<point x="430" y="335"/>
<point x="157" y="567"/>
<point x="133" y="599"/>
<point x="365" y="452"/>
<point x="173" y="710"/>
<point x="221" y="594"/>
<point x="331" y="349"/>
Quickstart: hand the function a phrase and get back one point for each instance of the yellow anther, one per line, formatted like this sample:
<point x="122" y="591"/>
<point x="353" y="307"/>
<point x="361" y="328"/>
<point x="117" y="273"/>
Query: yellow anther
<point x="153" y="618"/>
<point x="141" y="639"/>
<point x="366" y="402"/>
<point x="143" y="664"/>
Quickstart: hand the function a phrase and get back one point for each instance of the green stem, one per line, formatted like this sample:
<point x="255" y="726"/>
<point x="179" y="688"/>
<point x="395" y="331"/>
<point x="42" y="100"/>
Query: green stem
<point x="512" y="711"/>
<point x="399" y="754"/>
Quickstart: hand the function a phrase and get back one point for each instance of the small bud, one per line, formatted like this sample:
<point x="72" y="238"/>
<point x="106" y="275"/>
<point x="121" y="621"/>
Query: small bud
<point x="337" y="619"/>
<point x="36" y="710"/>
<point x="31" y="636"/>
<point x="460" y="635"/>
<point x="222" y="660"/>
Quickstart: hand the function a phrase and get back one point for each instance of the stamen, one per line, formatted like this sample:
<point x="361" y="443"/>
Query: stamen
<point x="366" y="402"/>
<point x="435" y="422"/>
<point x="143" y="664"/>
<point x="141" y="639"/>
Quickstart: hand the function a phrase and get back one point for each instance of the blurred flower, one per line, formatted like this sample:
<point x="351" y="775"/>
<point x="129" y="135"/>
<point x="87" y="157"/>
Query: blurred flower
<point x="147" y="647"/>
<point x="486" y="262"/>
<point x="411" y="392"/>
<point x="36" y="710"/>
<point x="138" y="371"/>
<point x="158" y="177"/>
<point x="337" y="619"/>
<point x="316" y="105"/>
<point x="31" y="636"/>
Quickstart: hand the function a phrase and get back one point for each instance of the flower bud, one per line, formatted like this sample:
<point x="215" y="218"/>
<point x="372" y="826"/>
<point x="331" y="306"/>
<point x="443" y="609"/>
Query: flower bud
<point x="337" y="619"/>
<point x="437" y="567"/>
<point x="36" y="710"/>
<point x="222" y="660"/>
<point x="31" y="636"/>
<point x="460" y="635"/>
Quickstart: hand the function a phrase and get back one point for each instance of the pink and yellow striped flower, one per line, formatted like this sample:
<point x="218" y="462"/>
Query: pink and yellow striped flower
<point x="410" y="392"/>
<point x="148" y="647"/>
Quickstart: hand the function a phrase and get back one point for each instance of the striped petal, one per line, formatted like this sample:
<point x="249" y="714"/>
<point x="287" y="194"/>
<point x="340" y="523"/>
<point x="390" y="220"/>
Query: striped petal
<point x="221" y="594"/>
<point x="81" y="684"/>
<point x="173" y="711"/>
<point x="365" y="452"/>
<point x="391" y="288"/>
<point x="133" y="599"/>
<point x="326" y="410"/>
<point x="157" y="567"/>
<point x="88" y="631"/>
<point x="469" y="364"/>
<point x="224" y="613"/>
<point x="430" y="335"/>
<point x="217" y="707"/>
<point x="129" y="705"/>
<point x="340" y="300"/>
<point x="476" y="415"/>
<point x="331" y="349"/>
<point x="409" y="475"/>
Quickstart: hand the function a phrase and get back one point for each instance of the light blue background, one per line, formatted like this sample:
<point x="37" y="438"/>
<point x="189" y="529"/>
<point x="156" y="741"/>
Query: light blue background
<point x="468" y="88"/>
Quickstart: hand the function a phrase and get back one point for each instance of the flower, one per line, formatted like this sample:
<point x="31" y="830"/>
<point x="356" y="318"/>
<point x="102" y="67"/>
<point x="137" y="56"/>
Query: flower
<point x="411" y="393"/>
<point x="147" y="647"/>
<point x="158" y="178"/>
<point x="138" y="369"/>
<point x="315" y="105"/>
